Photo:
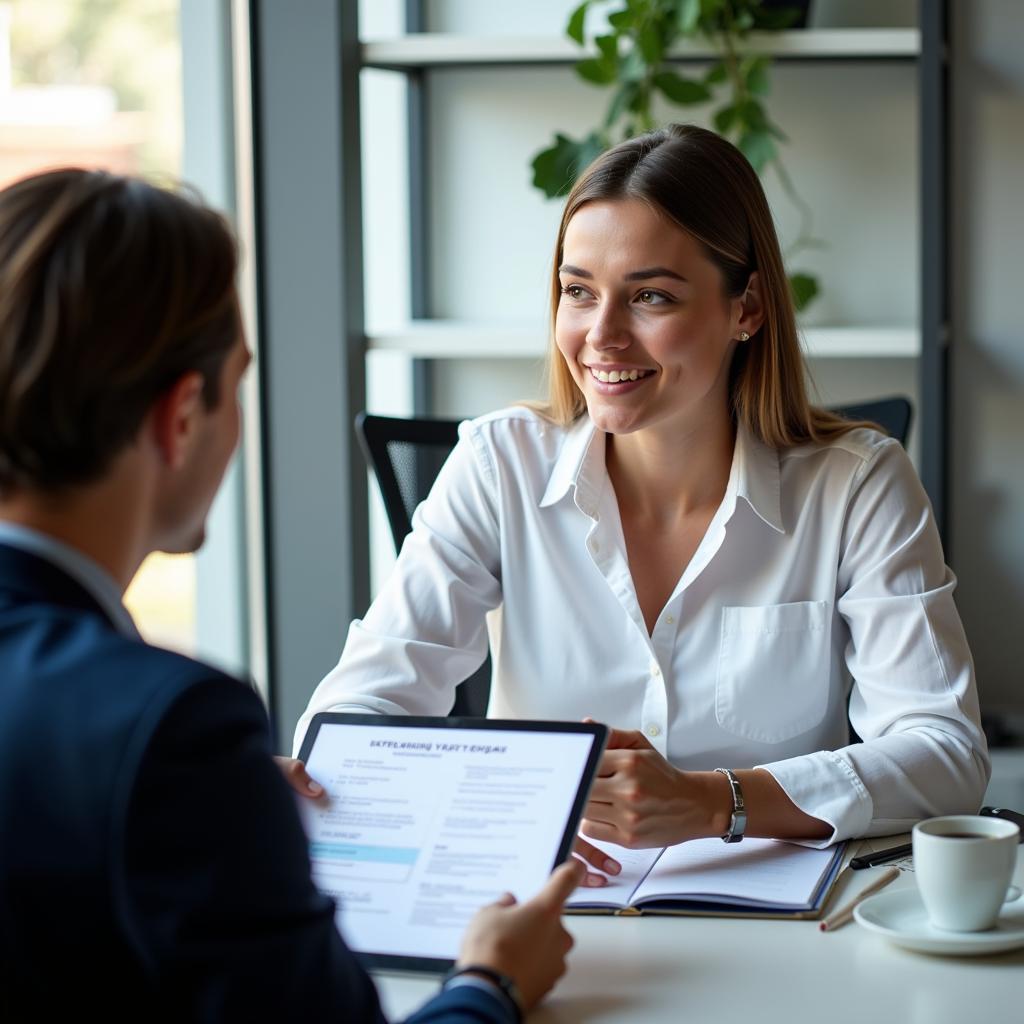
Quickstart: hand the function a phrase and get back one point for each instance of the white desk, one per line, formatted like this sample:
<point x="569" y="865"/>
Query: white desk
<point x="649" y="970"/>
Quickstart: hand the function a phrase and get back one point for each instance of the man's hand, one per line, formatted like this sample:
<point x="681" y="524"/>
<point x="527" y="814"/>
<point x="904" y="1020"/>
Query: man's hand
<point x="298" y="778"/>
<point x="639" y="800"/>
<point x="525" y="941"/>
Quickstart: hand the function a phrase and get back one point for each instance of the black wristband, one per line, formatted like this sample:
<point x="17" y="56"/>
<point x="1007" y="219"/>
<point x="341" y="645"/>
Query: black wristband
<point x="502" y="982"/>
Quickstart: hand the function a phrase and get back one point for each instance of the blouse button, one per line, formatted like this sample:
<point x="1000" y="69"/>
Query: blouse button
<point x="653" y="730"/>
<point x="669" y="620"/>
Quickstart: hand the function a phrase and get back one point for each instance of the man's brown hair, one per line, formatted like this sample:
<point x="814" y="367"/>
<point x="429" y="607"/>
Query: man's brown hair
<point x="110" y="289"/>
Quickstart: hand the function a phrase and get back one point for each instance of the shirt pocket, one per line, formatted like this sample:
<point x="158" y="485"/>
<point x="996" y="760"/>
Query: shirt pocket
<point x="773" y="670"/>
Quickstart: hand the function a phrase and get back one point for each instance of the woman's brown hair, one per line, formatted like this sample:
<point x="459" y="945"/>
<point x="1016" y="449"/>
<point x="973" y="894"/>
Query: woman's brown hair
<point x="707" y="187"/>
<point x="110" y="290"/>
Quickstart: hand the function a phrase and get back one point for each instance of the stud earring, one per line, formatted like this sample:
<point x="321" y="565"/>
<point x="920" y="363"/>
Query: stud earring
<point x="744" y="336"/>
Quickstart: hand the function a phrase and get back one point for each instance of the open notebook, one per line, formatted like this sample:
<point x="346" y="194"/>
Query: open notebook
<point x="755" y="878"/>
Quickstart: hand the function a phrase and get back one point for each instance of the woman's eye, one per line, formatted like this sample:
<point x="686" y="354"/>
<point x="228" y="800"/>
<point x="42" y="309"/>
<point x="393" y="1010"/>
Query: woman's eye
<point x="574" y="291"/>
<point x="651" y="298"/>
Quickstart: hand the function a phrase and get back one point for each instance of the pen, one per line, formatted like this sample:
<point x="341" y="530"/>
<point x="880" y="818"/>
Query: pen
<point x="869" y="860"/>
<point x="841" y="916"/>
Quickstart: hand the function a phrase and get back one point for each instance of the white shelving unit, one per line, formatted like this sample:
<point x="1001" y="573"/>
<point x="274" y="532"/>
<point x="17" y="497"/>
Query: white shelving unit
<point x="435" y="49"/>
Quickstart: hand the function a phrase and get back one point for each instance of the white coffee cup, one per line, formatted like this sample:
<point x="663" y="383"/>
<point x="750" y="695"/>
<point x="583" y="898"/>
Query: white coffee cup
<point x="963" y="864"/>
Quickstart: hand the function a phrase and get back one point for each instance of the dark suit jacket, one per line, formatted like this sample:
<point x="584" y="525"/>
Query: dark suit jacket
<point x="152" y="864"/>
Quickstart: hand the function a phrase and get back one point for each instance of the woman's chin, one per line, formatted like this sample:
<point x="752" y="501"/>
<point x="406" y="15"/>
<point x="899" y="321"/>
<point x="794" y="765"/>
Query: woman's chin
<point x="614" y="421"/>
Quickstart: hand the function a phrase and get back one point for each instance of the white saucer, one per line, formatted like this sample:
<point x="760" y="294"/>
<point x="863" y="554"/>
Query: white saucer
<point x="900" y="916"/>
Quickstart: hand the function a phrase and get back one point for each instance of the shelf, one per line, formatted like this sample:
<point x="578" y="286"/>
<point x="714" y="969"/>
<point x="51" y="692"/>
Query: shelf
<point x="432" y="49"/>
<point x="451" y="339"/>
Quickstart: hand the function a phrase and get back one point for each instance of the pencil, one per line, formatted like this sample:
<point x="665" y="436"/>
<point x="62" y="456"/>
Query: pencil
<point x="841" y="916"/>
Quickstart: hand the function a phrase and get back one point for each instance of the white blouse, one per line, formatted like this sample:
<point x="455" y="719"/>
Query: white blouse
<point x="821" y="570"/>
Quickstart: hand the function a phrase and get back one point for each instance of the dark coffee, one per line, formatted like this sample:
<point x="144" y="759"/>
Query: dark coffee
<point x="967" y="835"/>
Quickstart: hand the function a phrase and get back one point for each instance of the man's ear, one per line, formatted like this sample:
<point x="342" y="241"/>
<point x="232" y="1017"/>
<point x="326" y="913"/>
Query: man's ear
<point x="751" y="308"/>
<point x="176" y="418"/>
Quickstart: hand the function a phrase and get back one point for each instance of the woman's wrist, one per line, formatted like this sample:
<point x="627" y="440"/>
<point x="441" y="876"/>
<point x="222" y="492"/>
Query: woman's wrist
<point x="715" y="801"/>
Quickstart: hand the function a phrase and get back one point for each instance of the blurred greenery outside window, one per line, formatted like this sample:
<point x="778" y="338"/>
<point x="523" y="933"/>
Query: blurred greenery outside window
<point x="97" y="83"/>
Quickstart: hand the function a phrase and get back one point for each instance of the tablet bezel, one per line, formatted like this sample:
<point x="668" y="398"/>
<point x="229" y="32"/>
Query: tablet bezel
<point x="420" y="964"/>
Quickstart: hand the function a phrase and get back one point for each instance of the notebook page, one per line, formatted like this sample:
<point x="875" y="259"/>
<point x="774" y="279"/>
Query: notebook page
<point x="619" y="890"/>
<point x="754" y="872"/>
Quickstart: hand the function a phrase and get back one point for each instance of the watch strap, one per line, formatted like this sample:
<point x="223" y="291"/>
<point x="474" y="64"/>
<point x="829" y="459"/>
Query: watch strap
<point x="738" y="821"/>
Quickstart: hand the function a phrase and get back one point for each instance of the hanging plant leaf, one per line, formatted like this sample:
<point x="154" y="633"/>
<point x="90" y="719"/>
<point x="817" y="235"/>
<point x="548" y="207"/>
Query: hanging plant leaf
<point x="717" y="75"/>
<point x="574" y="30"/>
<point x="608" y="45"/>
<point x="725" y="119"/>
<point x="755" y="71"/>
<point x="681" y="90"/>
<point x="688" y="16"/>
<point x="651" y="44"/>
<point x="758" y="148"/>
<point x="556" y="169"/>
<point x="803" y="288"/>
<point x="752" y="114"/>
<point x="743" y="23"/>
<point x="595" y="71"/>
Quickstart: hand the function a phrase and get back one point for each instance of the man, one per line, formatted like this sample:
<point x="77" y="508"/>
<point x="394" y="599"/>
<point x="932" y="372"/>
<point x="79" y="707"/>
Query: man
<point x="151" y="861"/>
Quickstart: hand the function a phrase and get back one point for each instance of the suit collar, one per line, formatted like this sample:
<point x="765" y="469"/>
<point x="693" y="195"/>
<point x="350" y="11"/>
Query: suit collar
<point x="25" y="575"/>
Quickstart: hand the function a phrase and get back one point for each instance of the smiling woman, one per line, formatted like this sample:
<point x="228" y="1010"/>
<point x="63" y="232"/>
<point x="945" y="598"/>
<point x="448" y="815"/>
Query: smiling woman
<point x="678" y="544"/>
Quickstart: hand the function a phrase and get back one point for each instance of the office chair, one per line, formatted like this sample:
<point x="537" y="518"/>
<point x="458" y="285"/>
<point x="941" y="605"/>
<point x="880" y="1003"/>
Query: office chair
<point x="407" y="454"/>
<point x="893" y="415"/>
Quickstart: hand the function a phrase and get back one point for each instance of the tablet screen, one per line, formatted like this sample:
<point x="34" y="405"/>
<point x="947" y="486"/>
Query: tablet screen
<point x="425" y="820"/>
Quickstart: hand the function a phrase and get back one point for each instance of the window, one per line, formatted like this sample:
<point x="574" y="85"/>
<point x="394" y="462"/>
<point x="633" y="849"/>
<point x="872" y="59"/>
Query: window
<point x="98" y="83"/>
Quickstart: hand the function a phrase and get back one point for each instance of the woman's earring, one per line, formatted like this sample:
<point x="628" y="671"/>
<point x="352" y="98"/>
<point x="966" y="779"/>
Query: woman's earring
<point x="744" y="336"/>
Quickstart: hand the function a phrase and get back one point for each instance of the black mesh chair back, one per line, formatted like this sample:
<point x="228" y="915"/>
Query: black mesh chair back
<point x="893" y="415"/>
<point x="406" y="455"/>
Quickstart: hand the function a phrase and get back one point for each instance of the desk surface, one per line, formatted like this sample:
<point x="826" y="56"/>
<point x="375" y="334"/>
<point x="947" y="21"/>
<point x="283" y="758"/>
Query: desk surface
<point x="647" y="970"/>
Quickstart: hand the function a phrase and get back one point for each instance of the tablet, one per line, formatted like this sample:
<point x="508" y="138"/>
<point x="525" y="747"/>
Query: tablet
<point x="425" y="820"/>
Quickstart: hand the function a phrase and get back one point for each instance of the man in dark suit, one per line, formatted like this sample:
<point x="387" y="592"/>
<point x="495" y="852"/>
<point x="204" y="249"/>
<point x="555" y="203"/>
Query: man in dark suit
<point x="151" y="860"/>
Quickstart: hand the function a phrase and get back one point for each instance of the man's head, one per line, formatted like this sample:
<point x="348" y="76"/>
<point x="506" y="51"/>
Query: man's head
<point x="118" y="312"/>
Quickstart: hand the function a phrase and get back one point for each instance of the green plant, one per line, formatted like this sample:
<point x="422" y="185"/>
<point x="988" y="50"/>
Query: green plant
<point x="633" y="56"/>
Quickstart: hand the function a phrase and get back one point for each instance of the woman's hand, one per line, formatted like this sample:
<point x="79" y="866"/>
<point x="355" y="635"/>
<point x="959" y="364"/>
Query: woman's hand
<point x="592" y="856"/>
<point x="639" y="800"/>
<point x="298" y="778"/>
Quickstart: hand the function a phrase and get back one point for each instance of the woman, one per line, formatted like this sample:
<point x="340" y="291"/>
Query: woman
<point x="680" y="545"/>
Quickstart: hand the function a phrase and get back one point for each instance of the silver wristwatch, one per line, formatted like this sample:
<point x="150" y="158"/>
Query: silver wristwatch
<point x="738" y="822"/>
